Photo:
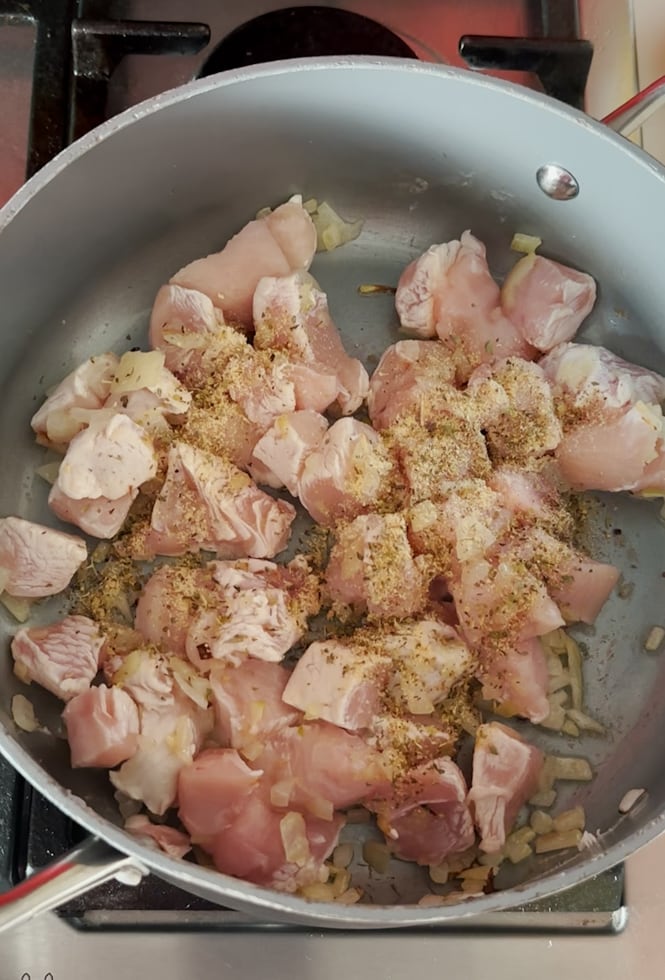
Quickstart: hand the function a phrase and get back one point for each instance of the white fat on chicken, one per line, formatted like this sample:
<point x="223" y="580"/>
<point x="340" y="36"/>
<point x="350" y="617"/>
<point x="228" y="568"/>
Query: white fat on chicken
<point x="87" y="387"/>
<point x="110" y="461"/>
<point x="35" y="560"/>
<point x="505" y="775"/>
<point x="151" y="774"/>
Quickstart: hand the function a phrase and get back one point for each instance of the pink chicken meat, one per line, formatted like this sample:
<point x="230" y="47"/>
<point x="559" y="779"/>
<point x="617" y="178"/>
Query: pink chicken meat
<point x="64" y="657"/>
<point x="505" y="775"/>
<point x="208" y="503"/>
<point x="36" y="560"/>
<point x="614" y="437"/>
<point x="291" y="314"/>
<point x="282" y="242"/>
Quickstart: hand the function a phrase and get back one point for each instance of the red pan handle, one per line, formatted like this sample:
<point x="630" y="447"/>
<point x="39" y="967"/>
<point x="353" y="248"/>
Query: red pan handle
<point x="630" y="116"/>
<point x="91" y="863"/>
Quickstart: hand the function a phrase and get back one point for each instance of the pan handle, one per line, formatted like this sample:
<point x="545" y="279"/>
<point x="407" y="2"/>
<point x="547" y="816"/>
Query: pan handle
<point x="630" y="116"/>
<point x="75" y="873"/>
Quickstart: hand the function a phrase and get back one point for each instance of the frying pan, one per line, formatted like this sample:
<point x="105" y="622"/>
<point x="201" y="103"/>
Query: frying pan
<point x="420" y="152"/>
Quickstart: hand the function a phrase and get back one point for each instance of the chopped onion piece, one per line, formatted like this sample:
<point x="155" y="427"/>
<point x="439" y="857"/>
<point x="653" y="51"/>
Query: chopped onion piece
<point x="341" y="883"/>
<point x="557" y="841"/>
<point x="573" y="769"/>
<point x="318" y="892"/>
<point x="23" y="713"/>
<point x="19" y="608"/>
<point x="342" y="856"/>
<point x="350" y="896"/>
<point x="281" y="792"/>
<point x="331" y="230"/>
<point x="293" y="831"/>
<point x="377" y="855"/>
<point x="49" y="471"/>
<point x="541" y="822"/>
<point x="439" y="873"/>
<point x="525" y="243"/>
<point x="654" y="639"/>
<point x="630" y="799"/>
<point x="584" y="722"/>
<point x="518" y="852"/>
<point x="573" y="819"/>
<point x="190" y="682"/>
<point x="138" y="369"/>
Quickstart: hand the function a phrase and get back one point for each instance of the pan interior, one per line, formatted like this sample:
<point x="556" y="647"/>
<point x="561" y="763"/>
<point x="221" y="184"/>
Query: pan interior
<point x="81" y="261"/>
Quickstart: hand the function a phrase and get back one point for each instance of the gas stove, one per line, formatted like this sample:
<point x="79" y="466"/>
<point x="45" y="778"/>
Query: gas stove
<point x="66" y="66"/>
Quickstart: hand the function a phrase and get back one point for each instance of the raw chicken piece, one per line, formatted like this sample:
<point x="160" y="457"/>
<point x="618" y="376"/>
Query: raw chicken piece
<point x="521" y="424"/>
<point x="261" y="612"/>
<point x="282" y="242"/>
<point x="86" y="387"/>
<point x="261" y="385"/>
<point x="426" y="817"/>
<point x="407" y="380"/>
<point x="222" y="429"/>
<point x="531" y="499"/>
<point x="212" y="791"/>
<point x="173" y="842"/>
<point x="339" y="682"/>
<point x="625" y="452"/>
<point x="505" y="775"/>
<point x="372" y="568"/>
<point x="151" y="775"/>
<point x="346" y="474"/>
<point x="170" y="598"/>
<point x="291" y="314"/>
<point x="446" y="289"/>
<point x="449" y="292"/>
<point x="579" y="585"/>
<point x="429" y="659"/>
<point x="248" y="702"/>
<point x="191" y="332"/>
<point x="502" y="597"/>
<point x="464" y="526"/>
<point x="434" y="458"/>
<point x="99" y="517"/>
<point x="63" y="657"/>
<point x="208" y="504"/>
<point x="547" y="301"/>
<point x="614" y="435"/>
<point x="280" y="850"/>
<point x="145" y="676"/>
<point x="102" y="727"/>
<point x="315" y="387"/>
<point x="516" y="676"/>
<point x="36" y="560"/>
<point x="584" y="375"/>
<point x="109" y="461"/>
<point x="279" y="455"/>
<point x="319" y="767"/>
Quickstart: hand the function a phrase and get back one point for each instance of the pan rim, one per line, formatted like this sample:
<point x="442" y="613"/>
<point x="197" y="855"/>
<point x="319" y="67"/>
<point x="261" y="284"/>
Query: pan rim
<point x="234" y="891"/>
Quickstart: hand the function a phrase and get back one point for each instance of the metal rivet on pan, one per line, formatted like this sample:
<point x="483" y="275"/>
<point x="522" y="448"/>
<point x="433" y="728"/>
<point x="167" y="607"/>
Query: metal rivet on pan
<point x="557" y="182"/>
